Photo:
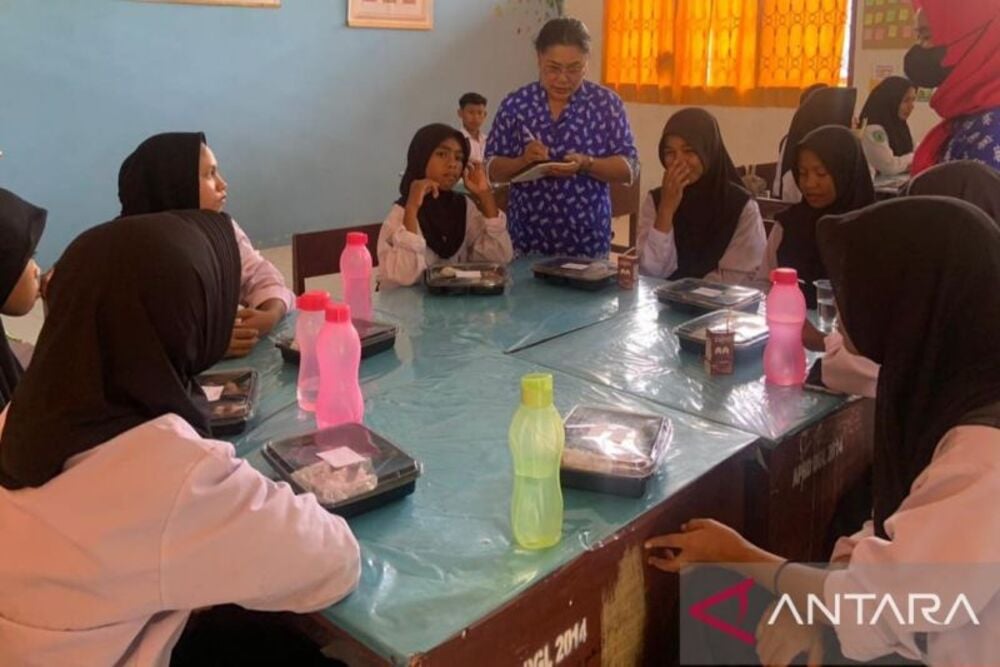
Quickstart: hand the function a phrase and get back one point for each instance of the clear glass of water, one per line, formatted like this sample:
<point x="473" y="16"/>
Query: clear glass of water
<point x="826" y="305"/>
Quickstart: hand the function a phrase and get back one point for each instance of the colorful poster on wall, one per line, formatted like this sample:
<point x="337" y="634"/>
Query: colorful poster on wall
<point x="887" y="24"/>
<point x="880" y="73"/>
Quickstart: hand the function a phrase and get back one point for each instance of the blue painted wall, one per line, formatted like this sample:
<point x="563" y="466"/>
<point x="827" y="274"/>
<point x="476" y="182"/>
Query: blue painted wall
<point x="310" y="119"/>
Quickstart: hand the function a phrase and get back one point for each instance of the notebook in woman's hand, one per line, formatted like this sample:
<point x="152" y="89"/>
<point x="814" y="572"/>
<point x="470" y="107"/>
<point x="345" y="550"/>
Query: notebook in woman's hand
<point x="537" y="170"/>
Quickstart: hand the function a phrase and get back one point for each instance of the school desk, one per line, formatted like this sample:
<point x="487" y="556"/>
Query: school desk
<point x="812" y="445"/>
<point x="888" y="187"/>
<point x="442" y="583"/>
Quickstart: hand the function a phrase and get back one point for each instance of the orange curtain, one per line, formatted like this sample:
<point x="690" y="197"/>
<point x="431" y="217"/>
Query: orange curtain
<point x="731" y="52"/>
<point x="801" y="42"/>
<point x="639" y="47"/>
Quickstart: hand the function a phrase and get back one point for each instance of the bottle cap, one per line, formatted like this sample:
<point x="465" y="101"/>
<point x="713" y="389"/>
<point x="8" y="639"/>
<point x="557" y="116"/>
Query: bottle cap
<point x="357" y="238"/>
<point x="338" y="312"/>
<point x="536" y="390"/>
<point x="785" y="277"/>
<point x="312" y="301"/>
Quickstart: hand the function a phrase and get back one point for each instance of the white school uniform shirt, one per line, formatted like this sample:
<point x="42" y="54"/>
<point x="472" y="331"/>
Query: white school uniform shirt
<point x="785" y="187"/>
<point x="738" y="264"/>
<point x="260" y="280"/>
<point x="881" y="159"/>
<point x="847" y="372"/>
<point x="103" y="564"/>
<point x="477" y="147"/>
<point x="403" y="256"/>
<point x="949" y="516"/>
<point x="769" y="261"/>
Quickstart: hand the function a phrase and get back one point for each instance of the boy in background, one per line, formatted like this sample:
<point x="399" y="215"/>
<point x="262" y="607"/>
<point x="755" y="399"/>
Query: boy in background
<point x="472" y="112"/>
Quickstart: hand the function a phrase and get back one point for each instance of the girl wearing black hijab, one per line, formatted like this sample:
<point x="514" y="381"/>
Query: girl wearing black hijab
<point x="178" y="171"/>
<point x="430" y="223"/>
<point x="127" y="516"/>
<point x="823" y="106"/>
<point x="886" y="137"/>
<point x="833" y="176"/>
<point x="700" y="222"/>
<point x="928" y="313"/>
<point x="784" y="140"/>
<point x="967" y="180"/>
<point x="21" y="226"/>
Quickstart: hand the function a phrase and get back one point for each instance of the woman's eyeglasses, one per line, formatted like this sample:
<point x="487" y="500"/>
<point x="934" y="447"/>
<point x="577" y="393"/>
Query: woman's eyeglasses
<point x="554" y="71"/>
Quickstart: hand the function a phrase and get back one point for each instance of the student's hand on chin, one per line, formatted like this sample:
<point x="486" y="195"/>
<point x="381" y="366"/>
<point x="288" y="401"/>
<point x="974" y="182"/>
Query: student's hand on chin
<point x="782" y="642"/>
<point x="700" y="541"/>
<point x="419" y="189"/>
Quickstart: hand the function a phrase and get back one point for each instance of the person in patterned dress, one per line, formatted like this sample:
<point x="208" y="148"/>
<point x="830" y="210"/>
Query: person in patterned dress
<point x="959" y="54"/>
<point x="562" y="118"/>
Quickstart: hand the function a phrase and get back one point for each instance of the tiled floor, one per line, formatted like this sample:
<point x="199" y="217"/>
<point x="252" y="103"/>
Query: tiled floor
<point x="26" y="328"/>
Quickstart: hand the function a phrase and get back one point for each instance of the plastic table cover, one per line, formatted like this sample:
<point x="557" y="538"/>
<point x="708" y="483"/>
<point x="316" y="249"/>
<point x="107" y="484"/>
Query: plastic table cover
<point x="443" y="558"/>
<point x="529" y="312"/>
<point x="637" y="352"/>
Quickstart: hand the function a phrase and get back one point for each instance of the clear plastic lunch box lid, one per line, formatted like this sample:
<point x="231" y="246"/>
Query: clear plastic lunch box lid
<point x="466" y="275"/>
<point x="706" y="294"/>
<point x="615" y="442"/>
<point x="342" y="464"/>
<point x="749" y="329"/>
<point x="576" y="268"/>
<point x="230" y="394"/>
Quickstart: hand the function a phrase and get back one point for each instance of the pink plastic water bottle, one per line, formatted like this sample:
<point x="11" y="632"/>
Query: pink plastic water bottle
<point x="356" y="273"/>
<point x="312" y="315"/>
<point x="784" y="356"/>
<point x="338" y="349"/>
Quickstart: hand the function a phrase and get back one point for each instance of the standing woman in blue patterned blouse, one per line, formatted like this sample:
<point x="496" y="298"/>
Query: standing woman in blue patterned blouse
<point x="561" y="117"/>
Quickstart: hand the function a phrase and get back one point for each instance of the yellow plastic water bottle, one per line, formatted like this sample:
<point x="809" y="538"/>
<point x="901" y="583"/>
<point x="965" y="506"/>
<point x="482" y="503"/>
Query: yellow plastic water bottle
<point x="536" y="443"/>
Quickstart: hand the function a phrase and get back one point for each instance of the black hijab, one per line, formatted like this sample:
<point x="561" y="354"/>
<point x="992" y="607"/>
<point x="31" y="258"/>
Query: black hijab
<point x="810" y="90"/>
<point x="882" y="108"/>
<point x="841" y="154"/>
<point x="824" y="106"/>
<point x="917" y="281"/>
<point x="968" y="180"/>
<point x="442" y="218"/>
<point x="161" y="174"/>
<point x="157" y="309"/>
<point x="21" y="226"/>
<point x="710" y="208"/>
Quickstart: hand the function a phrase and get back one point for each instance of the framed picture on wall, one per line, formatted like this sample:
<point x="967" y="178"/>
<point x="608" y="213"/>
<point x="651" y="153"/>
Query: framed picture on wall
<point x="403" y="14"/>
<point x="231" y="3"/>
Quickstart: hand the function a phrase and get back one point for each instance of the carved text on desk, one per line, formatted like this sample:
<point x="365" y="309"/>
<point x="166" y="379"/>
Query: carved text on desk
<point x="564" y="645"/>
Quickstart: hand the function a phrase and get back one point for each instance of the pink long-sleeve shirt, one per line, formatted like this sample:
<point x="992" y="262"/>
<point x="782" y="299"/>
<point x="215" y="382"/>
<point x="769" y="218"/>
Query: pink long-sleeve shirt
<point x="260" y="280"/>
<point x="103" y="564"/>
<point x="944" y="540"/>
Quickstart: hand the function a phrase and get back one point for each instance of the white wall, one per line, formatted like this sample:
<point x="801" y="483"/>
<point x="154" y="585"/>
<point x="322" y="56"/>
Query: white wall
<point x="310" y="119"/>
<point x="751" y="134"/>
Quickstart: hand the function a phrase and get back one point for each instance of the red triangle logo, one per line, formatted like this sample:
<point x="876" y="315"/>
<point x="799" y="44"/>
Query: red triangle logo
<point x="699" y="611"/>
